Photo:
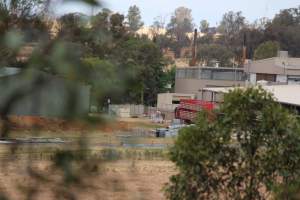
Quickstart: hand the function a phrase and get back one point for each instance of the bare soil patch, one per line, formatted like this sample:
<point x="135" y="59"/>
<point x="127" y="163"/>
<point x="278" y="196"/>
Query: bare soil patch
<point x="119" y="180"/>
<point x="56" y="124"/>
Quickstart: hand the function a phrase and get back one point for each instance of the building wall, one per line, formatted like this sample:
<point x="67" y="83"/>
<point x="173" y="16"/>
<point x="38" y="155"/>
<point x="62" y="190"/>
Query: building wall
<point x="212" y="97"/>
<point x="57" y="98"/>
<point x="194" y="86"/>
<point x="283" y="69"/>
<point x="266" y="66"/>
<point x="281" y="78"/>
<point x="295" y="72"/>
<point x="126" y="110"/>
<point x="165" y="101"/>
<point x="281" y="66"/>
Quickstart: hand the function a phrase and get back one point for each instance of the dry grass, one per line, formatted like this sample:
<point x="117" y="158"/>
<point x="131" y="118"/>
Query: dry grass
<point x="90" y="123"/>
<point x="139" y="179"/>
<point x="120" y="180"/>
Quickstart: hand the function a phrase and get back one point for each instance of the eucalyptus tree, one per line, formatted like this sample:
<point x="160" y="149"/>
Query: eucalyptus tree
<point x="134" y="18"/>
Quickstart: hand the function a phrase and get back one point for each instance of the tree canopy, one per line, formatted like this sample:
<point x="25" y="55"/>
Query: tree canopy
<point x="242" y="151"/>
<point x="25" y="16"/>
<point x="285" y="29"/>
<point x="204" y="26"/>
<point x="215" y="53"/>
<point x="266" y="50"/>
<point x="142" y="61"/>
<point x="134" y="18"/>
<point x="181" y="23"/>
<point x="233" y="32"/>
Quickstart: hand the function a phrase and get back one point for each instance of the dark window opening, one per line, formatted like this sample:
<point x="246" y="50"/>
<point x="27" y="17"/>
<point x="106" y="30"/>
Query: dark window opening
<point x="176" y="102"/>
<point x="266" y="77"/>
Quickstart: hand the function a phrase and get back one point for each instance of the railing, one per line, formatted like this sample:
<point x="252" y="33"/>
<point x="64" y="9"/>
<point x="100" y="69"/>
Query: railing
<point x="189" y="109"/>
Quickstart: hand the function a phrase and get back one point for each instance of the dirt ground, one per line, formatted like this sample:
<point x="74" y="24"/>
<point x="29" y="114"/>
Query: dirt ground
<point x="119" y="180"/>
<point x="141" y="180"/>
<point x="107" y="125"/>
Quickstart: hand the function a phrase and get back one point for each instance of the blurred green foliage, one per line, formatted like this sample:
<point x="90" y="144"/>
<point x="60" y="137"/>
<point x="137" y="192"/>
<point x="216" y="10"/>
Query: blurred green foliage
<point x="99" y="51"/>
<point x="137" y="62"/>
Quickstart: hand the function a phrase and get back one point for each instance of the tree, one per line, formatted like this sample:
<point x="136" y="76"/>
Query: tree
<point x="157" y="26"/>
<point x="253" y="38"/>
<point x="20" y="13"/>
<point x="230" y="27"/>
<point x="101" y="19"/>
<point x="100" y="74"/>
<point x="206" y="39"/>
<point x="245" y="149"/>
<point x="168" y="79"/>
<point x="204" y="26"/>
<point x="214" y="52"/>
<point x="288" y="17"/>
<point x="266" y="50"/>
<point x="73" y="20"/>
<point x="285" y="29"/>
<point x="99" y="37"/>
<point x="231" y="24"/>
<point x="117" y="25"/>
<point x="20" y="21"/>
<point x="141" y="63"/>
<point x="181" y="23"/>
<point x="21" y="9"/>
<point x="73" y="29"/>
<point x="24" y="16"/>
<point x="260" y="24"/>
<point x="134" y="18"/>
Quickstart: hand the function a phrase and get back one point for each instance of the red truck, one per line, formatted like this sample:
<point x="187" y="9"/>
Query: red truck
<point x="188" y="110"/>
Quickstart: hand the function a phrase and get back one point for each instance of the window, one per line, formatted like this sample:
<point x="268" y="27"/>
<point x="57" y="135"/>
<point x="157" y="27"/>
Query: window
<point x="222" y="74"/>
<point x="187" y="73"/>
<point x="180" y="73"/>
<point x="294" y="78"/>
<point x="211" y="74"/>
<point x="176" y="102"/>
<point x="266" y="77"/>
<point x="206" y="74"/>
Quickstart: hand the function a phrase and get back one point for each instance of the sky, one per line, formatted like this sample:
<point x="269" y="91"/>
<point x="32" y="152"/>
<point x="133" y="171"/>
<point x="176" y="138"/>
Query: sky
<point x="211" y="10"/>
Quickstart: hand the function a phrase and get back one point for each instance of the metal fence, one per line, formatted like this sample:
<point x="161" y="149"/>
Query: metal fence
<point x="167" y="112"/>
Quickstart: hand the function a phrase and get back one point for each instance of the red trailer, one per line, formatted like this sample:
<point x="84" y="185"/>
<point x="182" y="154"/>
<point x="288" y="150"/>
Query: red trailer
<point x="189" y="109"/>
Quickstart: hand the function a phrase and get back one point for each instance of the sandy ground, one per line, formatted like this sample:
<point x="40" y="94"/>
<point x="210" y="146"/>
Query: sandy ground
<point x="119" y="180"/>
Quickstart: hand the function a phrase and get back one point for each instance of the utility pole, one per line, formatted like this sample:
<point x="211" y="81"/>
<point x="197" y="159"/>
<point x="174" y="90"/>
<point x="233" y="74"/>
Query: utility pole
<point x="244" y="50"/>
<point x="194" y="49"/>
<point x="92" y="11"/>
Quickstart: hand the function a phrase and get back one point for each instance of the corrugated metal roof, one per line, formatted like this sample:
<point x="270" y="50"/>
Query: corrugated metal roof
<point x="9" y="71"/>
<point x="287" y="94"/>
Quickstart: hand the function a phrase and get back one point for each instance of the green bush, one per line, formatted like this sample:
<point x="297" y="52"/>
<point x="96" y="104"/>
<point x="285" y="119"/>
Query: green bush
<point x="243" y="154"/>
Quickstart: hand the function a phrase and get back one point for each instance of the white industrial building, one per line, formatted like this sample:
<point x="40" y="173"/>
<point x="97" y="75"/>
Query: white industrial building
<point x="281" y="69"/>
<point x="287" y="95"/>
<point x="169" y="101"/>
